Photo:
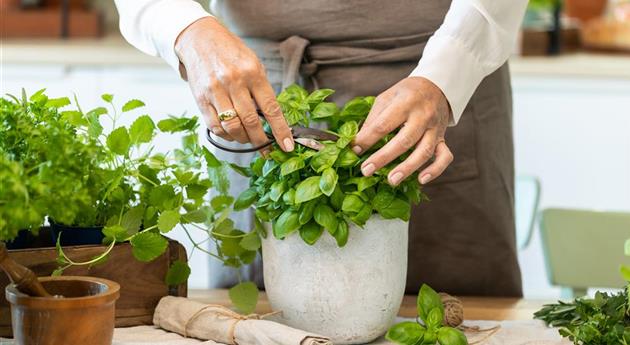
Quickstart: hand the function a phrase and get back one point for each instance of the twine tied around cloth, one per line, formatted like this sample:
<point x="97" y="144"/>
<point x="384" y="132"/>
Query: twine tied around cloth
<point x="223" y="311"/>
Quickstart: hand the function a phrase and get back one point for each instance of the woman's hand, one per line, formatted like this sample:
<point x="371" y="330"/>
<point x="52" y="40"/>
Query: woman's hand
<point x="225" y="75"/>
<point x="420" y="107"/>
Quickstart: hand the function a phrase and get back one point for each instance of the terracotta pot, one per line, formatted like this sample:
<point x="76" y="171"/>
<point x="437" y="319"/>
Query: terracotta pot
<point x="85" y="315"/>
<point x="584" y="10"/>
<point x="350" y="294"/>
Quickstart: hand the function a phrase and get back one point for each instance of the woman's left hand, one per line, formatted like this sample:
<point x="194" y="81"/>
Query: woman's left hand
<point x="421" y="110"/>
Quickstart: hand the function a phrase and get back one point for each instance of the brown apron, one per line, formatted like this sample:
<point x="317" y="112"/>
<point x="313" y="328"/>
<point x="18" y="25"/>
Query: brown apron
<point x="463" y="240"/>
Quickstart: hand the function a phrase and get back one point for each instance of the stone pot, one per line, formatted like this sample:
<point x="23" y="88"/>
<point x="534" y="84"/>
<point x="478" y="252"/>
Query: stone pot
<point x="85" y="315"/>
<point x="351" y="294"/>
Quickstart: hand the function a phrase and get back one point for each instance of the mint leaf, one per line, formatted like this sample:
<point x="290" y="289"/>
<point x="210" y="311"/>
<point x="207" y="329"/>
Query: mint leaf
<point x="118" y="141"/>
<point x="107" y="97"/>
<point x="132" y="219"/>
<point x="132" y="104"/>
<point x="147" y="246"/>
<point x="244" y="296"/>
<point x="58" y="102"/>
<point x="115" y="232"/>
<point x="178" y="273"/>
<point x="245" y="199"/>
<point x="142" y="130"/>
<point x="167" y="220"/>
<point x="219" y="203"/>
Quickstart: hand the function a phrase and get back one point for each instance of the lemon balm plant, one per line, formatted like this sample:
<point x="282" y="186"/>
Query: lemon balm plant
<point x="62" y="163"/>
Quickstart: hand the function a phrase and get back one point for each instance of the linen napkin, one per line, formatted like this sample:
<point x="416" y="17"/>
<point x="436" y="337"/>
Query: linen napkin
<point x="222" y="325"/>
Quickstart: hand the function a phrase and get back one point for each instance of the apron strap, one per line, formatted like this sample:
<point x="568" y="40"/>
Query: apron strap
<point x="292" y="53"/>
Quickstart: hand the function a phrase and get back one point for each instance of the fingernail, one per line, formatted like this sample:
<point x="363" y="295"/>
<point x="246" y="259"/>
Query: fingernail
<point x="356" y="149"/>
<point x="395" y="179"/>
<point x="425" y="179"/>
<point x="288" y="144"/>
<point x="216" y="130"/>
<point x="368" y="169"/>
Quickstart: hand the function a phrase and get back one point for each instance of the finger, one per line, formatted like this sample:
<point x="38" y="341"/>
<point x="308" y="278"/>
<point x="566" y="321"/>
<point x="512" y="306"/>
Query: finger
<point x="249" y="117"/>
<point x="266" y="100"/>
<point x="233" y="126"/>
<point x="443" y="157"/>
<point x="403" y="141"/>
<point x="390" y="118"/>
<point x="423" y="152"/>
<point x="212" y="120"/>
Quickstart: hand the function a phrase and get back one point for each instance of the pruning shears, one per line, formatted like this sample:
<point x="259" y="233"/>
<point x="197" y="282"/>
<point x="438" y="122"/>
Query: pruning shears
<point x="305" y="136"/>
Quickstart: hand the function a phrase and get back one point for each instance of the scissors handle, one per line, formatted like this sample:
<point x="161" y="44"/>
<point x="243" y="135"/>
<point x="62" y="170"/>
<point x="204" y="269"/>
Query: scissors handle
<point x="232" y="149"/>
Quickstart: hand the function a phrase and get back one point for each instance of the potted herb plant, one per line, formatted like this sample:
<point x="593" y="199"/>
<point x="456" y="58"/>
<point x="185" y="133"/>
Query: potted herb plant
<point x="335" y="258"/>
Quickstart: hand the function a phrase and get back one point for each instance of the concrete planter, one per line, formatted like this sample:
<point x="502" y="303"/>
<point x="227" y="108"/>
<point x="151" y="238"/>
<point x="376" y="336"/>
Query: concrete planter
<point x="350" y="294"/>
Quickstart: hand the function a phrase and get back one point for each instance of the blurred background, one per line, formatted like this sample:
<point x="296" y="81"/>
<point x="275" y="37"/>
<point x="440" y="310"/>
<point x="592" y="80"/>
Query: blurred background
<point x="571" y="84"/>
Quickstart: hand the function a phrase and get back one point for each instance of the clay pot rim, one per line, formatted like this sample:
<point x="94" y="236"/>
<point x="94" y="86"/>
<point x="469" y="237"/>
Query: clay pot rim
<point x="110" y="295"/>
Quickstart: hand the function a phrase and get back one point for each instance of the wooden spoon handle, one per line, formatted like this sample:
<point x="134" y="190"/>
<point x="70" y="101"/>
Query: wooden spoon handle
<point x="24" y="279"/>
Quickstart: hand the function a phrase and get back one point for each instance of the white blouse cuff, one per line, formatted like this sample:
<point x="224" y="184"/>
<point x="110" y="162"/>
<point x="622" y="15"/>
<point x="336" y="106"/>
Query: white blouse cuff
<point x="452" y="67"/>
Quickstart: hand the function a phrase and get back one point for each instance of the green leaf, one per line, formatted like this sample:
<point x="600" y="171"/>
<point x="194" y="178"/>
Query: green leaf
<point x="324" y="110"/>
<point x="356" y="109"/>
<point x="142" y="130"/>
<point x="58" y="102"/>
<point x="325" y="216"/>
<point x="347" y="158"/>
<point x="167" y="220"/>
<point x="352" y="204"/>
<point x="383" y="199"/>
<point x="325" y="158"/>
<point x="245" y="199"/>
<point x="220" y="202"/>
<point x="147" y="246"/>
<point x="406" y="333"/>
<point x="286" y="224"/>
<point x="626" y="247"/>
<point x="244" y="297"/>
<point x="118" y="141"/>
<point x="363" y="215"/>
<point x="211" y="159"/>
<point x="277" y="189"/>
<point x="251" y="241"/>
<point x="74" y="117"/>
<point x="336" y="198"/>
<point x="318" y="96"/>
<point x="107" y="97"/>
<point x="451" y="336"/>
<point x="279" y="156"/>
<point x="196" y="191"/>
<point x="428" y="299"/>
<point x="397" y="209"/>
<point x="132" y="104"/>
<point x="342" y="233"/>
<point x="328" y="181"/>
<point x="311" y="232"/>
<point x="290" y="165"/>
<point x="224" y="227"/>
<point x="349" y="129"/>
<point x="308" y="190"/>
<point x="132" y="219"/>
<point x="197" y="216"/>
<point x="178" y="273"/>
<point x="115" y="232"/>
<point x="162" y="196"/>
<point x="243" y="171"/>
<point x="289" y="197"/>
<point x="306" y="211"/>
<point x="625" y="272"/>
<point x="96" y="112"/>
<point x="435" y="318"/>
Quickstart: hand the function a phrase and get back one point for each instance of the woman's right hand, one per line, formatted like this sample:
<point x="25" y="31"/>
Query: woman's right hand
<point x="224" y="75"/>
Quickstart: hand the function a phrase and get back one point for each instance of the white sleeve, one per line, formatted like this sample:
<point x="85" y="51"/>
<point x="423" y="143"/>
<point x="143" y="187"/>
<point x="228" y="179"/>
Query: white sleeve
<point x="152" y="26"/>
<point x="476" y="38"/>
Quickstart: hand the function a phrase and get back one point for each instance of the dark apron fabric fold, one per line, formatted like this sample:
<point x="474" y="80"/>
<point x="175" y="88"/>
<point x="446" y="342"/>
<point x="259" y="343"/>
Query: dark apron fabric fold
<point x="463" y="240"/>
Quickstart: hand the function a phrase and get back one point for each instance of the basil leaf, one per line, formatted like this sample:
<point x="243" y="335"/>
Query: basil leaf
<point x="325" y="158"/>
<point x="328" y="181"/>
<point x="341" y="235"/>
<point x="286" y="224"/>
<point x="325" y="216"/>
<point x="245" y="199"/>
<point x="352" y="204"/>
<point x="428" y="299"/>
<point x="434" y="318"/>
<point x="311" y="232"/>
<point x="276" y="190"/>
<point x="356" y="109"/>
<point x="451" y="336"/>
<point x="336" y="198"/>
<point x="397" y="209"/>
<point x="324" y="110"/>
<point x="363" y="215"/>
<point x="318" y="96"/>
<point x="349" y="129"/>
<point x="347" y="158"/>
<point x="279" y="156"/>
<point x="306" y="211"/>
<point x="406" y="333"/>
<point x="289" y="197"/>
<point x="290" y="165"/>
<point x="383" y="199"/>
<point x="308" y="190"/>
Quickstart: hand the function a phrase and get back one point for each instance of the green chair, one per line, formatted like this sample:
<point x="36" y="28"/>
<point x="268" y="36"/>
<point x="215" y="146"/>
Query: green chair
<point x="584" y="249"/>
<point x="526" y="199"/>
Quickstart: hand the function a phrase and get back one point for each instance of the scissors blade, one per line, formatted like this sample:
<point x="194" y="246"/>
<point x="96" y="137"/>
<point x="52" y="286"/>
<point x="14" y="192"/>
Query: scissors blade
<point x="312" y="133"/>
<point x="310" y="143"/>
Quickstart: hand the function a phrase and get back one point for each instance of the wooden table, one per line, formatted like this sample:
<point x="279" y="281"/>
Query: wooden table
<point x="475" y="308"/>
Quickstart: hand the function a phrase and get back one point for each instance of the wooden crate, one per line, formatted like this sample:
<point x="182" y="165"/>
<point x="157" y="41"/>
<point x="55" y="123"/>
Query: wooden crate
<point x="141" y="283"/>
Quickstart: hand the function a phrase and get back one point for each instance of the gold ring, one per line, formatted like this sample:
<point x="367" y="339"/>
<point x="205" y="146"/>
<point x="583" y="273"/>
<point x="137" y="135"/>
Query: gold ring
<point x="227" y="115"/>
